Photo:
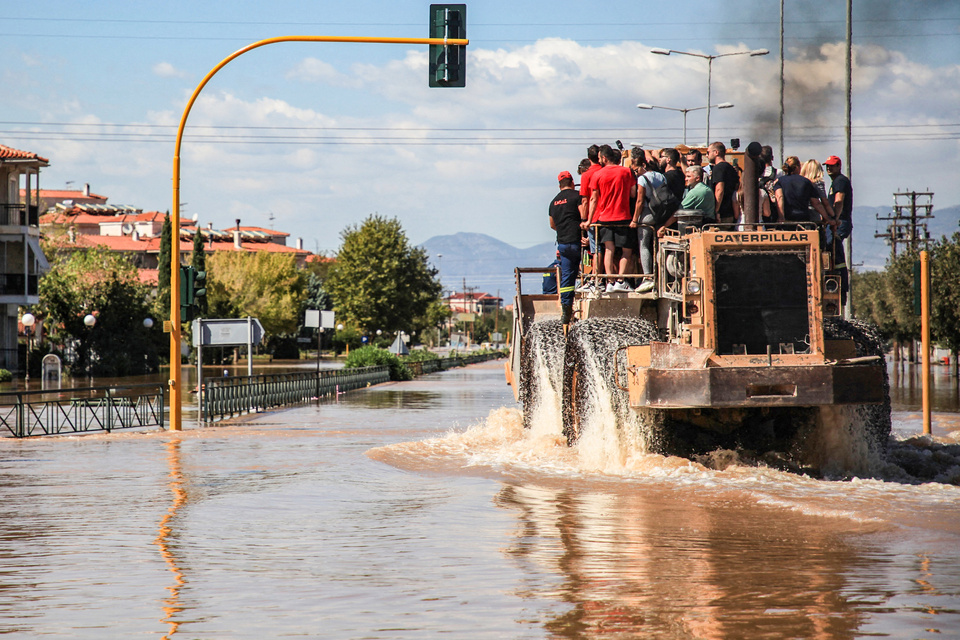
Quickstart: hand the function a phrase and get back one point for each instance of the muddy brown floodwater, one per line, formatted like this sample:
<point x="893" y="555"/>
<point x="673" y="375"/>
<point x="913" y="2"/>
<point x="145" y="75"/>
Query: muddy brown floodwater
<point x="425" y="509"/>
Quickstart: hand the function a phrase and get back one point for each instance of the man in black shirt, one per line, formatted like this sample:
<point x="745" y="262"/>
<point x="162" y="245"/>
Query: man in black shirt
<point x="841" y="199"/>
<point x="565" y="220"/>
<point x="724" y="180"/>
<point x="676" y="181"/>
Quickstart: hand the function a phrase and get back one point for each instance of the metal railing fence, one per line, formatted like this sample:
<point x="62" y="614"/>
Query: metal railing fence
<point x="442" y="364"/>
<point x="227" y="397"/>
<point x="81" y="409"/>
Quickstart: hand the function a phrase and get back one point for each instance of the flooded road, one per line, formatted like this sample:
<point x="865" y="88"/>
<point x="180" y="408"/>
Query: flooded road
<point x="424" y="510"/>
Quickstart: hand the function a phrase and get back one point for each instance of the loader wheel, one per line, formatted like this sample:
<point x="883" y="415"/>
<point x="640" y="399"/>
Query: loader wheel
<point x="589" y="391"/>
<point x="869" y="342"/>
<point x="541" y="359"/>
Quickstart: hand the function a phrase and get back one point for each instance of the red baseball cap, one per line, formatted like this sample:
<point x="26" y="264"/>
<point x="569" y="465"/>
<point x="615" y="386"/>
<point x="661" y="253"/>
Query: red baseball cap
<point x="564" y="175"/>
<point x="832" y="160"/>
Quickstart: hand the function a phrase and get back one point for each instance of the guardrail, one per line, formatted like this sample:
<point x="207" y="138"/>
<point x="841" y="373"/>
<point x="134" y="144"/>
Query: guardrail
<point x="227" y="397"/>
<point x="442" y="364"/>
<point x="81" y="409"/>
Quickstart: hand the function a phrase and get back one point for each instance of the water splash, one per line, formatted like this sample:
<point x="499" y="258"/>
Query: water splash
<point x="542" y="376"/>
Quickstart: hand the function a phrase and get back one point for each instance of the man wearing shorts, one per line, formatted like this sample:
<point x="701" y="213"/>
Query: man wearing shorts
<point x="610" y="207"/>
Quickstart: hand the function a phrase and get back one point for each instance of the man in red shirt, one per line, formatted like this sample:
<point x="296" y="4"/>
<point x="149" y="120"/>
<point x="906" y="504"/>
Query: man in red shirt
<point x="609" y="205"/>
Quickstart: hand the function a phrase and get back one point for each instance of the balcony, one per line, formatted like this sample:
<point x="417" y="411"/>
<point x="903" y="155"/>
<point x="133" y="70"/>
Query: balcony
<point x="11" y="284"/>
<point x="19" y="215"/>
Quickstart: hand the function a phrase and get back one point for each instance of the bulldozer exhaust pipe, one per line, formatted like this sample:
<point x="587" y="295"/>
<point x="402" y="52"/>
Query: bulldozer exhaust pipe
<point x="751" y="185"/>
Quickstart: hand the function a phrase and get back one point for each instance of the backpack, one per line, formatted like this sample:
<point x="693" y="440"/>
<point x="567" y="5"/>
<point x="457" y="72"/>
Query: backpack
<point x="663" y="203"/>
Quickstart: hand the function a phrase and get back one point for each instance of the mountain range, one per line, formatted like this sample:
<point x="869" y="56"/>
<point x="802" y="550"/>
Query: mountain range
<point x="482" y="263"/>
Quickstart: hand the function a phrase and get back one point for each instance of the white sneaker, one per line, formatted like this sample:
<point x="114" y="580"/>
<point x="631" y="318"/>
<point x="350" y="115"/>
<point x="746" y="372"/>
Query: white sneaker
<point x="647" y="286"/>
<point x="586" y="287"/>
<point x="622" y="286"/>
<point x="610" y="288"/>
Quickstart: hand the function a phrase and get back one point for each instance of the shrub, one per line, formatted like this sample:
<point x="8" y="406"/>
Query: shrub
<point x="420" y="355"/>
<point x="5" y="376"/>
<point x="371" y="356"/>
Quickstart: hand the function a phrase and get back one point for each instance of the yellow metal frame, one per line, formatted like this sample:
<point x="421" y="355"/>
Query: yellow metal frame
<point x="175" y="381"/>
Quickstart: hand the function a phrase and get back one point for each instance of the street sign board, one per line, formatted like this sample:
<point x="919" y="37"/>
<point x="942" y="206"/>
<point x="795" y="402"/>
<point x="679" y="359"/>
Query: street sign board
<point x="226" y="332"/>
<point x="312" y="318"/>
<point x="326" y="319"/>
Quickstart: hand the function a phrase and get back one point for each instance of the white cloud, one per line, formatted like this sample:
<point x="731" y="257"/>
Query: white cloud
<point x="272" y="153"/>
<point x="318" y="71"/>
<point x="167" y="70"/>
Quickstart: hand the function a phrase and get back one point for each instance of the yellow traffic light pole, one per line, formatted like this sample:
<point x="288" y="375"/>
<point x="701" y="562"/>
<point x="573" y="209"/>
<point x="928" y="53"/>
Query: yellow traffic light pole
<point x="176" y="381"/>
<point x="925" y="339"/>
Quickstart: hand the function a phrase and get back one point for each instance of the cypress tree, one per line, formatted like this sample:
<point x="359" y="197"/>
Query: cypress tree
<point x="163" y="264"/>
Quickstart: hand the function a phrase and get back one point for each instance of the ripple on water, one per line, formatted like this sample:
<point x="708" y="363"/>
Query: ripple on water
<point x="499" y="446"/>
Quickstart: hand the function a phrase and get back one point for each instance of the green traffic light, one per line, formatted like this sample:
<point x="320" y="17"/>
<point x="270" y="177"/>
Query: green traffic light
<point x="448" y="63"/>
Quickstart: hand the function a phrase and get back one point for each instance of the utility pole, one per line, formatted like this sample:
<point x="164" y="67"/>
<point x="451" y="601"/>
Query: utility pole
<point x="907" y="221"/>
<point x="848" y="131"/>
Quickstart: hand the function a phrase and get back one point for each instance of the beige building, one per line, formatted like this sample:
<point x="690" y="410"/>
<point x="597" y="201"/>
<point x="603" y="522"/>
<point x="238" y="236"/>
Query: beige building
<point x="21" y="259"/>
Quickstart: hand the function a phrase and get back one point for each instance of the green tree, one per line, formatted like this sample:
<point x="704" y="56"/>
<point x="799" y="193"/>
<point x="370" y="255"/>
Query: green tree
<point x="267" y="286"/>
<point x="380" y="281"/>
<point x="871" y="301"/>
<point x="107" y="286"/>
<point x="315" y="296"/>
<point x="199" y="263"/>
<point x="898" y="290"/>
<point x="162" y="304"/>
<point x="944" y="295"/>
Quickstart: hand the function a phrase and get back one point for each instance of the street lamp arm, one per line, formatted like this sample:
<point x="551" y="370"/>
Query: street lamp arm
<point x="666" y="52"/>
<point x="707" y="56"/>
<point x="722" y="105"/>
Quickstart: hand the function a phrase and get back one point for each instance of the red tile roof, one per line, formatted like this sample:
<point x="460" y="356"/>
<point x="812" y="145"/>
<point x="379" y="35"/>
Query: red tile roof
<point x="152" y="245"/>
<point x="74" y="216"/>
<point x="150" y="276"/>
<point x="269" y="232"/>
<point x="9" y="153"/>
<point x="258" y="246"/>
<point x="66" y="194"/>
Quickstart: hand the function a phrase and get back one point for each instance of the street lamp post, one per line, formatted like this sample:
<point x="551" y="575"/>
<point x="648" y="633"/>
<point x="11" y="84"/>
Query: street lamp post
<point x="722" y="105"/>
<point x="28" y="321"/>
<point x="347" y="344"/>
<point x="89" y="320"/>
<point x="710" y="59"/>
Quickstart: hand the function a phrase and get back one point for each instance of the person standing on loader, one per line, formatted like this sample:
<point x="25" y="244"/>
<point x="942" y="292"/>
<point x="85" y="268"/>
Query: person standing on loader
<point x="565" y="220"/>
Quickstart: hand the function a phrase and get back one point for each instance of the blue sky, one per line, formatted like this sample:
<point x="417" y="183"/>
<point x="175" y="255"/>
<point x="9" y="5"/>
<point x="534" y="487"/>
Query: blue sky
<point x="309" y="138"/>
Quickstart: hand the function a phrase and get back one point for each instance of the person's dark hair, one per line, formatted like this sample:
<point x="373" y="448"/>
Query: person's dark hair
<point x="611" y="154"/>
<point x="697" y="156"/>
<point x="719" y="148"/>
<point x="671" y="154"/>
<point x="584" y="165"/>
<point x="653" y="165"/>
<point x="566" y="183"/>
<point x="766" y="154"/>
<point x="593" y="153"/>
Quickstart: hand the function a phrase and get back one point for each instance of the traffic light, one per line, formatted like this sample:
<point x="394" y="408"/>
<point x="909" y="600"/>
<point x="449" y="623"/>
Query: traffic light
<point x="186" y="294"/>
<point x="193" y="293"/>
<point x="200" y="292"/>
<point x="448" y="63"/>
